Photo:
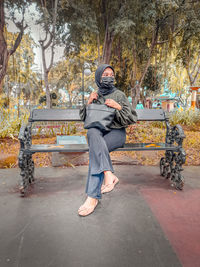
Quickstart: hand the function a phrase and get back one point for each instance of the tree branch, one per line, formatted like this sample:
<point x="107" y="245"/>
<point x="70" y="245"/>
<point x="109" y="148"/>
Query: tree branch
<point x="49" y="42"/>
<point x="44" y="59"/>
<point x="173" y="36"/>
<point x="135" y="59"/>
<point x="196" y="64"/>
<point x="195" y="77"/>
<point x="52" y="33"/>
<point x="21" y="27"/>
<point x="188" y="66"/>
<point x="2" y="16"/>
<point x="17" y="41"/>
<point x="153" y="43"/>
<point x="44" y="40"/>
<point x="52" y="57"/>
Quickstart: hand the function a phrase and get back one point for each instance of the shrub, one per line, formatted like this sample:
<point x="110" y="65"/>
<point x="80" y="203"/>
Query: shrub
<point x="10" y="125"/>
<point x="51" y="129"/>
<point x="188" y="117"/>
<point x="10" y="122"/>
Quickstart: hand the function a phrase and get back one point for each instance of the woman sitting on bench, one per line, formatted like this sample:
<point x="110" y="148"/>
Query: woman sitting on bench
<point x="101" y="142"/>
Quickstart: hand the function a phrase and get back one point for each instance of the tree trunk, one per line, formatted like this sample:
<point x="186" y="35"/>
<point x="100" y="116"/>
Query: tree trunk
<point x="8" y="93"/>
<point x="165" y="65"/>
<point x="46" y="74"/>
<point x="136" y="89"/>
<point x="46" y="82"/>
<point x="134" y="69"/>
<point x="135" y="95"/>
<point x="3" y="65"/>
<point x="98" y="49"/>
<point x="4" y="52"/>
<point x="50" y="43"/>
<point x="194" y="73"/>
<point x="107" y="48"/>
<point x="4" y="56"/>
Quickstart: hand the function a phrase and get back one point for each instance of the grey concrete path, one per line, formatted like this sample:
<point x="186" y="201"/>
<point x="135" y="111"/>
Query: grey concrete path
<point x="44" y="230"/>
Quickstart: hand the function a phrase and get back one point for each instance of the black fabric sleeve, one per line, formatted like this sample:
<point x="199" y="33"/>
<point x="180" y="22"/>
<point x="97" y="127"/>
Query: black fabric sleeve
<point x="127" y="115"/>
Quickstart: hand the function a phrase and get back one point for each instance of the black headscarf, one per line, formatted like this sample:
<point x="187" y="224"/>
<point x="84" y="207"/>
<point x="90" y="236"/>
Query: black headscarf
<point x="98" y="75"/>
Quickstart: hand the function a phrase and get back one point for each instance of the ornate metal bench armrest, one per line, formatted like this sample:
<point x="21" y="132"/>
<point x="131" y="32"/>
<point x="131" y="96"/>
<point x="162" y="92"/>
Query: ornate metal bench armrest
<point x="175" y="135"/>
<point x="25" y="136"/>
<point x="21" y="135"/>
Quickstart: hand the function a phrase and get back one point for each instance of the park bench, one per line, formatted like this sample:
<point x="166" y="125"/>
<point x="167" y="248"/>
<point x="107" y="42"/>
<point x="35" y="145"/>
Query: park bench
<point x="170" y="164"/>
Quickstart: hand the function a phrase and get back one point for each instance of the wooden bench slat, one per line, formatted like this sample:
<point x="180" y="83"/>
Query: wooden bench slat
<point x="59" y="148"/>
<point x="151" y="114"/>
<point x="147" y="146"/>
<point x="84" y="147"/>
<point x="55" y="115"/>
<point x="73" y="115"/>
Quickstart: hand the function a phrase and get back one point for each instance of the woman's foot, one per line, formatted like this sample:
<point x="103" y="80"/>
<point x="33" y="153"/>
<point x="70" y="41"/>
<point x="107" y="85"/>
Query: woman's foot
<point x="88" y="207"/>
<point x="110" y="181"/>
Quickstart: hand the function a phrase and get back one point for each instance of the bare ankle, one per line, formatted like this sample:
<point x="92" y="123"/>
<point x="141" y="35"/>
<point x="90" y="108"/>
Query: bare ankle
<point x="107" y="172"/>
<point x="91" y="200"/>
<point x="108" y="177"/>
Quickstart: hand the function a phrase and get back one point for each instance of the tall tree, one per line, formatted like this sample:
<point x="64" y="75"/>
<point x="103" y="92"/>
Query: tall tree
<point x="155" y="26"/>
<point x="5" y="53"/>
<point x="20" y="77"/>
<point x="48" y="43"/>
<point x="189" y="43"/>
<point x="96" y="22"/>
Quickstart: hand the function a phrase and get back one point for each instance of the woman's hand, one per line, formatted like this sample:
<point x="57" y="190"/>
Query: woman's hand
<point x="112" y="104"/>
<point x="93" y="96"/>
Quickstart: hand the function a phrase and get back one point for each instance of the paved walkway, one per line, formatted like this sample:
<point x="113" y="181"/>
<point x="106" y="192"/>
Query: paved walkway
<point x="144" y="222"/>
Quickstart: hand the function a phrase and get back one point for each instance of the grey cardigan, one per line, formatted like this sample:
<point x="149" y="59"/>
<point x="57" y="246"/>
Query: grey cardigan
<point x="127" y="115"/>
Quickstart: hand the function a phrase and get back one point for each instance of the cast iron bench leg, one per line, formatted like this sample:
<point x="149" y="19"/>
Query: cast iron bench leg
<point x="171" y="164"/>
<point x="176" y="176"/>
<point x="166" y="164"/>
<point x="30" y="166"/>
<point x="26" y="165"/>
<point x="171" y="167"/>
<point x="24" y="172"/>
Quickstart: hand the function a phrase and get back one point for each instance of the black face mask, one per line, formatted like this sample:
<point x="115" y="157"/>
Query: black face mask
<point x="107" y="82"/>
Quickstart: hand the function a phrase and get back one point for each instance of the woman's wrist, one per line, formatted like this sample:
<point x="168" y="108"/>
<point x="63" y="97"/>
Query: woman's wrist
<point x="119" y="108"/>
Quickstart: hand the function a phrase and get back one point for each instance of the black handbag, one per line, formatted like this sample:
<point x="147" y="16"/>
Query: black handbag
<point x="99" y="116"/>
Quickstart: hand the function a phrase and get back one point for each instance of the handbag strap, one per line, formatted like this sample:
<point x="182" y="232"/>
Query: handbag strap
<point x="96" y="100"/>
<point x="102" y="96"/>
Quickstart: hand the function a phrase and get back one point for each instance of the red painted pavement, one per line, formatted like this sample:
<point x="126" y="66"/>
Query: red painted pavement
<point x="178" y="213"/>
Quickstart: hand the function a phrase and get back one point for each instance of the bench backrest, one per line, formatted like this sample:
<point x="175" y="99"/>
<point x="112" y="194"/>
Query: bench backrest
<point x="70" y="114"/>
<point x="73" y="115"/>
<point x="151" y="114"/>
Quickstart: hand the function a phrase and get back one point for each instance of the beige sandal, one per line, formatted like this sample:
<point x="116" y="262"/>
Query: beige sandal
<point x="109" y="187"/>
<point x="85" y="211"/>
